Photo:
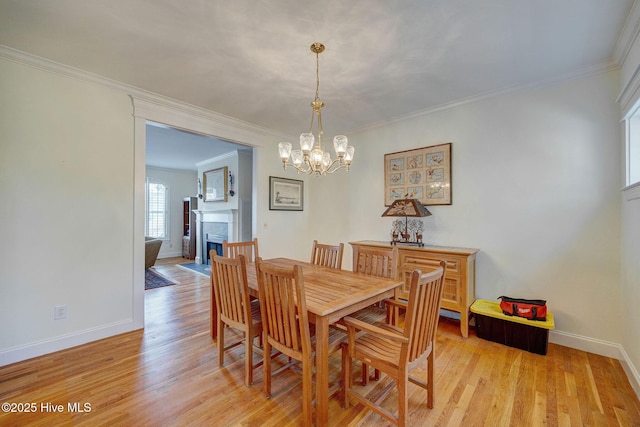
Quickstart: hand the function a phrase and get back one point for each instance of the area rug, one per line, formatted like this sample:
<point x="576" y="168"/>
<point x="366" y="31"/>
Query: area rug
<point x="153" y="279"/>
<point x="202" y="269"/>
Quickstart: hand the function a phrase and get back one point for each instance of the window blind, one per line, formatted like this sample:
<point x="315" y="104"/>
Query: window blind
<point x="157" y="211"/>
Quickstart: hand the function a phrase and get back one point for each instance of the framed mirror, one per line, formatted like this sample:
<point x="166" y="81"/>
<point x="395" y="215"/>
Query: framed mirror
<point x="215" y="185"/>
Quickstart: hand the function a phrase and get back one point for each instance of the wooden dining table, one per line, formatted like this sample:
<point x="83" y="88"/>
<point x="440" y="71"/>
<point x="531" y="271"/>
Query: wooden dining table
<point x="330" y="295"/>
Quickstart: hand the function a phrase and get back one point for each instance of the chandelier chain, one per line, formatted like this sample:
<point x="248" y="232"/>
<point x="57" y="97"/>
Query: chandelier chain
<point x="317" y="75"/>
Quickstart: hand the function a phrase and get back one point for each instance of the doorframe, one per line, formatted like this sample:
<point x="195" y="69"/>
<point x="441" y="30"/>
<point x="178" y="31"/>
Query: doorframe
<point x="188" y="118"/>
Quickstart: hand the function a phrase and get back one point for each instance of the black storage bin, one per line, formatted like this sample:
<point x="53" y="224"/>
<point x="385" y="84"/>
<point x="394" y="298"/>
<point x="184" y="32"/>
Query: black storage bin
<point x="493" y="325"/>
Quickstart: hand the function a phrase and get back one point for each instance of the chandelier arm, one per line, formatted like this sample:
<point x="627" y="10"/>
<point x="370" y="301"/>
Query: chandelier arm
<point x="308" y="169"/>
<point x="333" y="162"/>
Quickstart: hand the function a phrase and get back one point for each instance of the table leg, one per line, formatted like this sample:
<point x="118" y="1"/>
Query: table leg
<point x="322" y="371"/>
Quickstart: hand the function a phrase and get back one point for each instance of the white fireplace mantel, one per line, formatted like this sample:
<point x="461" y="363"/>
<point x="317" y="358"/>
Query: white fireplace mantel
<point x="229" y="216"/>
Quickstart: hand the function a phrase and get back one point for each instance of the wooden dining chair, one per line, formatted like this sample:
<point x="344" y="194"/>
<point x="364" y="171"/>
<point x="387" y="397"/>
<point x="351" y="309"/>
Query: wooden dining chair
<point x="327" y="255"/>
<point x="235" y="309"/>
<point x="286" y="325"/>
<point x="393" y="350"/>
<point x="381" y="262"/>
<point x="248" y="249"/>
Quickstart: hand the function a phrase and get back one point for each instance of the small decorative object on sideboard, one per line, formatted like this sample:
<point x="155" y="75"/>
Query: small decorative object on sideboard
<point x="407" y="231"/>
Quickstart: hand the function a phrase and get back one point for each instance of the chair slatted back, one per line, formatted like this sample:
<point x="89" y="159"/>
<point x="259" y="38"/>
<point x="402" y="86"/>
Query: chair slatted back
<point x="423" y="310"/>
<point x="248" y="249"/>
<point x="284" y="312"/>
<point x="231" y="289"/>
<point x="327" y="255"/>
<point x="380" y="262"/>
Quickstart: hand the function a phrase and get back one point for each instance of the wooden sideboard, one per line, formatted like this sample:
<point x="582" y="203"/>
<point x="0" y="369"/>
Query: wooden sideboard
<point x="460" y="279"/>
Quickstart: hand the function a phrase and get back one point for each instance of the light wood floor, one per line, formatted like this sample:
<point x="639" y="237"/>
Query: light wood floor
<point x="168" y="375"/>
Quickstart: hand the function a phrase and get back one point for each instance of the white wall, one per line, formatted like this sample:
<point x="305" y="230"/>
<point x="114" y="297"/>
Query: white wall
<point x="535" y="188"/>
<point x="243" y="187"/>
<point x="182" y="183"/>
<point x="332" y="213"/>
<point x="66" y="182"/>
<point x="630" y="279"/>
<point x="281" y="233"/>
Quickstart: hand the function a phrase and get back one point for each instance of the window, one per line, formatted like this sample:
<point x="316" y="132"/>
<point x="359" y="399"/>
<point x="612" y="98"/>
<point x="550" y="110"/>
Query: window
<point x="632" y="154"/>
<point x="157" y="217"/>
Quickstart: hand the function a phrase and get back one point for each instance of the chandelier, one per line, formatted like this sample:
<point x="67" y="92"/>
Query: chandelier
<point x="312" y="158"/>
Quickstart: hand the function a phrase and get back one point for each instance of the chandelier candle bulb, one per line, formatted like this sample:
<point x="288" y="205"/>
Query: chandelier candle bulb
<point x="326" y="160"/>
<point x="306" y="142"/>
<point x="285" y="150"/>
<point x="311" y="157"/>
<point x="349" y="155"/>
<point x="296" y="157"/>
<point x="340" y="145"/>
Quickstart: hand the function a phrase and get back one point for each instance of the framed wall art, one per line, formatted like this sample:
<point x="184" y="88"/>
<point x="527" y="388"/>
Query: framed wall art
<point x="285" y="194"/>
<point x="215" y="185"/>
<point x="423" y="174"/>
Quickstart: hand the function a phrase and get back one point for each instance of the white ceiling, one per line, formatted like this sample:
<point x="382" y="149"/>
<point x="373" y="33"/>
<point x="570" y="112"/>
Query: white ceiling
<point x="385" y="59"/>
<point x="177" y="149"/>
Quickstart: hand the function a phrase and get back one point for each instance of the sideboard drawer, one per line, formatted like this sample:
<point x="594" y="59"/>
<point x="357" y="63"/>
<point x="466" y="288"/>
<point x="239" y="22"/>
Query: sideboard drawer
<point x="428" y="264"/>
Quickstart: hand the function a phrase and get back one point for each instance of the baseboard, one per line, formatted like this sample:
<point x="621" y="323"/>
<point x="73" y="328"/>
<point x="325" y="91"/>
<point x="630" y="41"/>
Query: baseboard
<point x="631" y="371"/>
<point x="171" y="254"/>
<point x="590" y="345"/>
<point x="602" y="348"/>
<point x="40" y="348"/>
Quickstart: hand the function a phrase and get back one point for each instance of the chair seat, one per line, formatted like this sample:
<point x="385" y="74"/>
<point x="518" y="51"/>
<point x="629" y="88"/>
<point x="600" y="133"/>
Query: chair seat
<point x="375" y="315"/>
<point x="377" y="348"/>
<point x="371" y="314"/>
<point x="337" y="335"/>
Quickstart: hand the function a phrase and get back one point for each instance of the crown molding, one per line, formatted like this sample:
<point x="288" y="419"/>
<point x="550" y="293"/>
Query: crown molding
<point x="630" y="94"/>
<point x="195" y="119"/>
<point x="59" y="68"/>
<point x="628" y="34"/>
<point x="541" y="84"/>
<point x="147" y="104"/>
<point x="221" y="157"/>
